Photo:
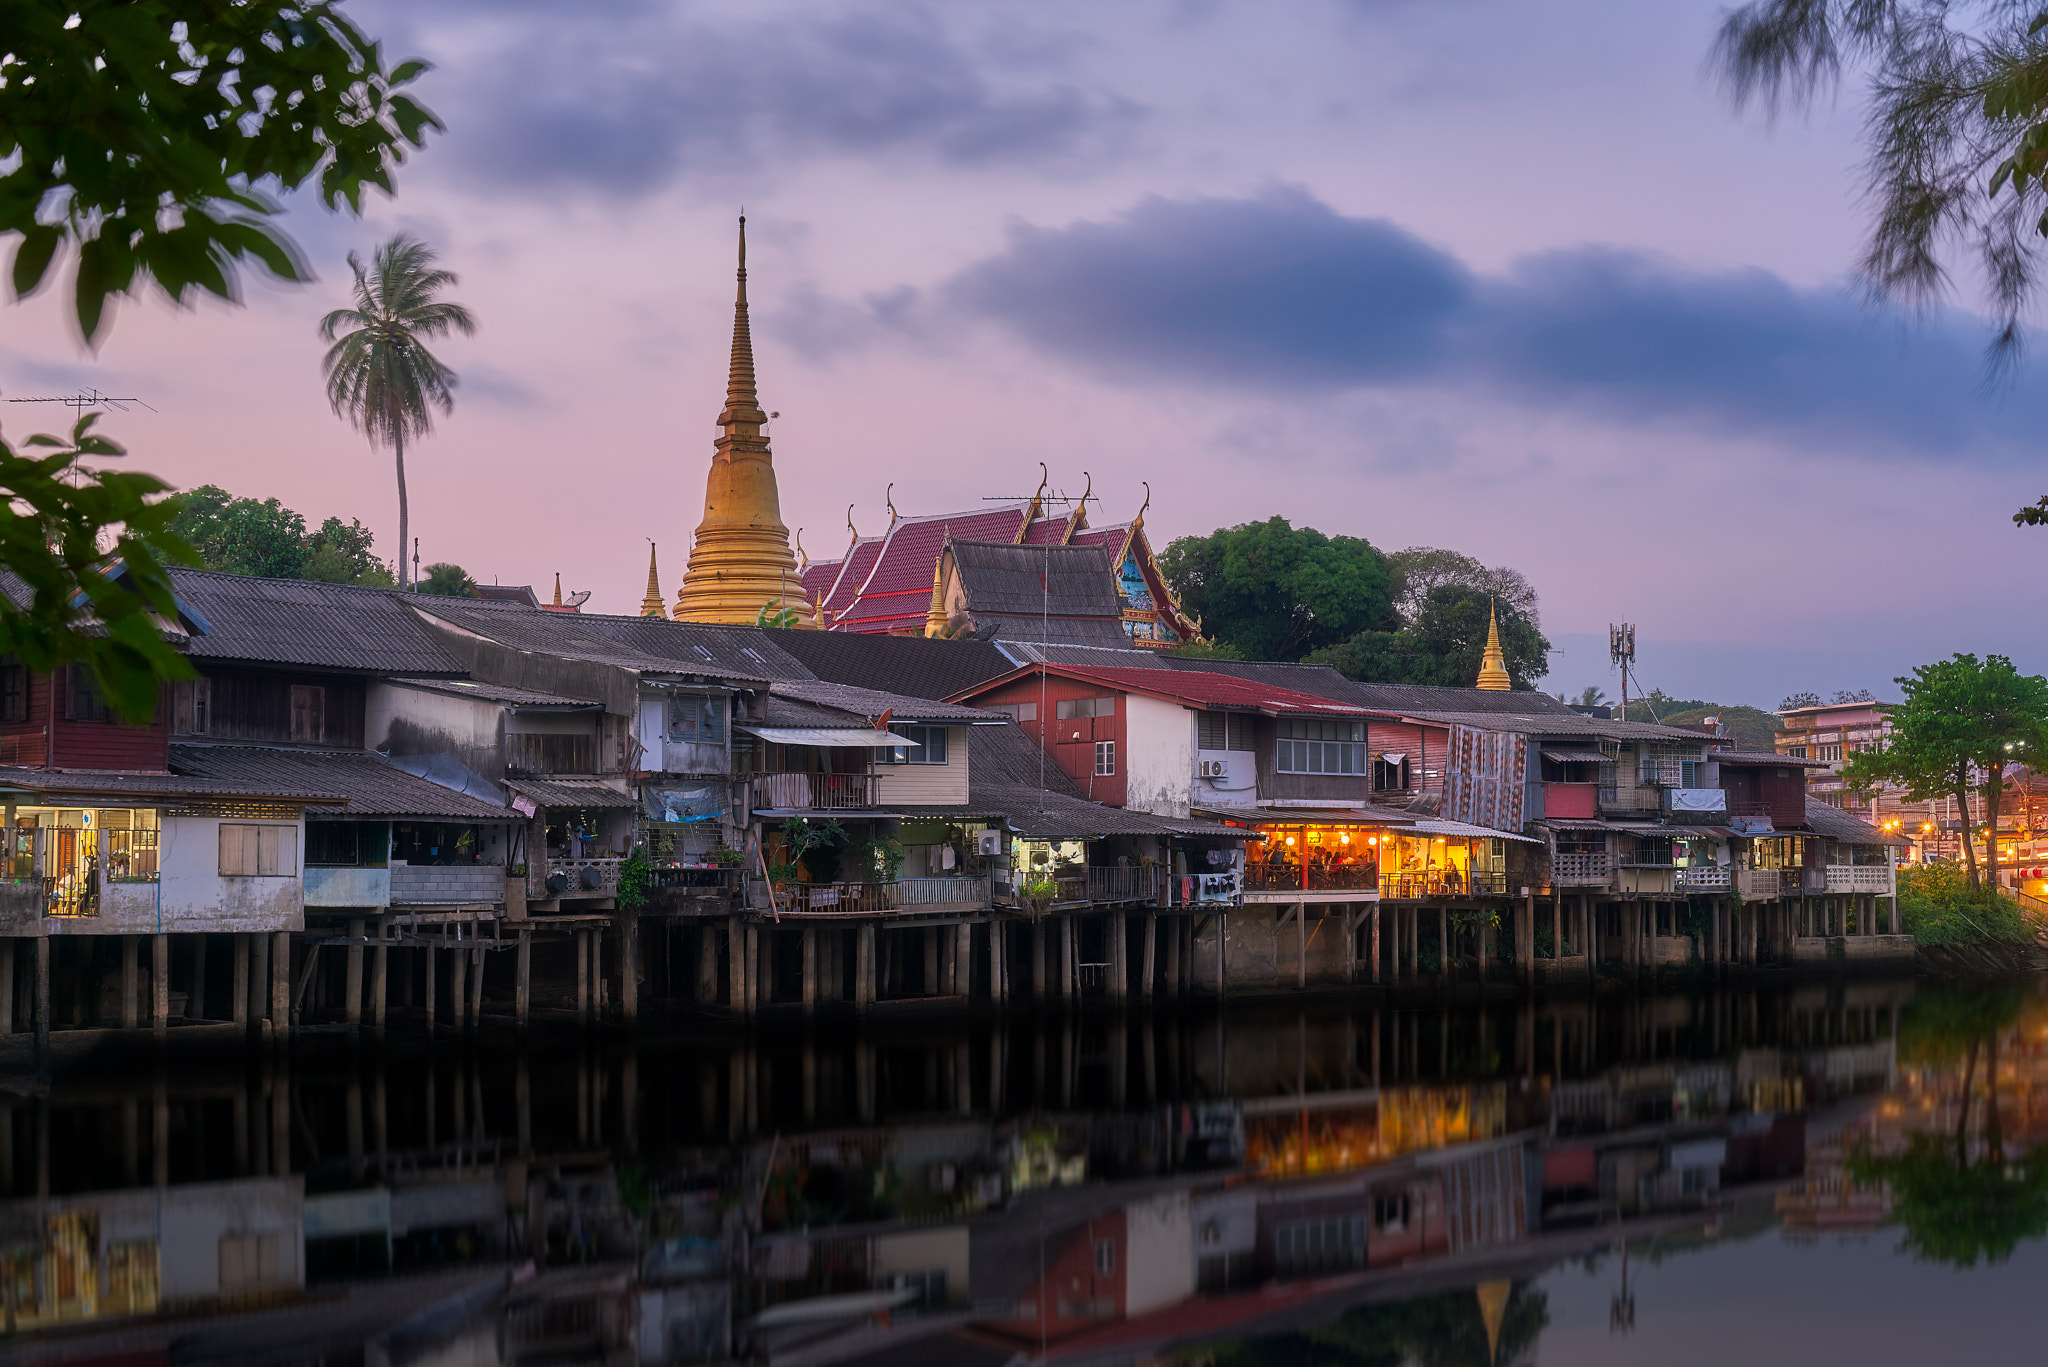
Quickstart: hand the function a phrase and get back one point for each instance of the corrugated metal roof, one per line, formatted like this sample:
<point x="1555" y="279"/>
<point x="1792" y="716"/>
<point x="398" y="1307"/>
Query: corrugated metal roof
<point x="836" y="737"/>
<point x="558" y="793"/>
<point x="872" y="702"/>
<point x="1764" y="759"/>
<point x="1576" y="756"/>
<point x="317" y="626"/>
<point x="1836" y="824"/>
<point x="1206" y="690"/>
<point x="1557" y="724"/>
<point x="919" y="666"/>
<point x="1438" y="826"/>
<point x="184" y="788"/>
<point x="372" y="786"/>
<point x="651" y="645"/>
<point x="483" y="691"/>
<point x="1001" y="579"/>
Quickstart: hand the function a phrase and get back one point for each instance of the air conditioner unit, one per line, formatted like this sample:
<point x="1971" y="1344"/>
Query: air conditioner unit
<point x="1215" y="768"/>
<point x="988" y="843"/>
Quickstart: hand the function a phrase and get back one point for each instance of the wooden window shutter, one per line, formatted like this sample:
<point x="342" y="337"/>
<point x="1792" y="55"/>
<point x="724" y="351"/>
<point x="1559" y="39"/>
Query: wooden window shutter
<point x="309" y="706"/>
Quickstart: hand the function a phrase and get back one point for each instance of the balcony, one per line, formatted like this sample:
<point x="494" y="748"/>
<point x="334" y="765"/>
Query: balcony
<point x="812" y="792"/>
<point x="540" y="756"/>
<point x="1292" y="878"/>
<point x="1580" y="870"/>
<point x="1125" y="885"/>
<point x="1760" y="884"/>
<point x="906" y="896"/>
<point x="581" y="878"/>
<point x="1704" y="878"/>
<point x="1859" y="878"/>
<point x="1631" y="800"/>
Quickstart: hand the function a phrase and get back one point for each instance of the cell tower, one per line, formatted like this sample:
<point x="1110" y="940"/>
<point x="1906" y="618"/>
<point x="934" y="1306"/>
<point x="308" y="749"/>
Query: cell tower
<point x="1621" y="653"/>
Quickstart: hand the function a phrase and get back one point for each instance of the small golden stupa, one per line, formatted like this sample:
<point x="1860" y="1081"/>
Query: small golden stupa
<point x="651" y="605"/>
<point x="1493" y="666"/>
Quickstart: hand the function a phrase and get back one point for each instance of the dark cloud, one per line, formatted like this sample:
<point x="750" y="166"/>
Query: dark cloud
<point x="1279" y="290"/>
<point x="627" y="103"/>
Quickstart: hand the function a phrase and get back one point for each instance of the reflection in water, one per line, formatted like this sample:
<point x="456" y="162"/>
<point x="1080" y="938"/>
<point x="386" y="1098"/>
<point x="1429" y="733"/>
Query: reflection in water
<point x="1327" y="1185"/>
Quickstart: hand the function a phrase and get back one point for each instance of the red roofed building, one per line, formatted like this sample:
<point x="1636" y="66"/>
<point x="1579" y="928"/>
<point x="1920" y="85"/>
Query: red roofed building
<point x="887" y="584"/>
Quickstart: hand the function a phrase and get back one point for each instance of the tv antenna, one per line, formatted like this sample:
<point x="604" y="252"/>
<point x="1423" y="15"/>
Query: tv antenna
<point x="84" y="399"/>
<point x="1621" y="653"/>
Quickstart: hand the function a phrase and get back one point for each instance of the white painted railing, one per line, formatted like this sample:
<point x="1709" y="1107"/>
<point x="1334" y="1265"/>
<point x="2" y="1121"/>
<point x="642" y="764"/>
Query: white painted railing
<point x="1859" y="878"/>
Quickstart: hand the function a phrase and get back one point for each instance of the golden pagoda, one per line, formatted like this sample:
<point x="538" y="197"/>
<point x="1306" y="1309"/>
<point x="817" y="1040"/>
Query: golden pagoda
<point x="741" y="560"/>
<point x="651" y="605"/>
<point x="1493" y="666"/>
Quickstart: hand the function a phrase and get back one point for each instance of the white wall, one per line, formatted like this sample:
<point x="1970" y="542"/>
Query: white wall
<point x="928" y="783"/>
<point x="1159" y="768"/>
<point x="1159" y="1253"/>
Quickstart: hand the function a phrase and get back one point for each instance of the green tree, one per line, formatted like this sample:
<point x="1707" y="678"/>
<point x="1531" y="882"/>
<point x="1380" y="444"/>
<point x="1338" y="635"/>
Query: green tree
<point x="144" y="135"/>
<point x="1963" y="721"/>
<point x="242" y="535"/>
<point x="85" y="553"/>
<point x="380" y="375"/>
<point x="1275" y="591"/>
<point x="338" y="554"/>
<point x="1412" y="573"/>
<point x="1443" y="645"/>
<point x="1592" y="695"/>
<point x="450" y="581"/>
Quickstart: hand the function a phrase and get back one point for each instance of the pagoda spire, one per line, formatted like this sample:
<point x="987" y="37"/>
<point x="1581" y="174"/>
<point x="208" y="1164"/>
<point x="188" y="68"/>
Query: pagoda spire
<point x="741" y="560"/>
<point x="1493" y="666"/>
<point x="558" y="588"/>
<point x="651" y="605"/>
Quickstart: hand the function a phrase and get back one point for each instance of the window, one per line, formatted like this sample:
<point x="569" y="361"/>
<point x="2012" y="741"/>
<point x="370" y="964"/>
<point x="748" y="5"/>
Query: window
<point x="1105" y="1257"/>
<point x="694" y="717"/>
<point x="1223" y="731"/>
<point x="1797" y="752"/>
<point x="1067" y="709"/>
<point x="13" y="690"/>
<point x="309" y="712"/>
<point x="1320" y="747"/>
<point x="331" y="844"/>
<point x="1831" y="754"/>
<point x="1392" y="772"/>
<point x="87" y="702"/>
<point x="1017" y="711"/>
<point x="191" y="707"/>
<point x="248" y="1260"/>
<point x="258" y="851"/>
<point x="930" y="747"/>
<point x="1324" y="1243"/>
<point x="1105" y="757"/>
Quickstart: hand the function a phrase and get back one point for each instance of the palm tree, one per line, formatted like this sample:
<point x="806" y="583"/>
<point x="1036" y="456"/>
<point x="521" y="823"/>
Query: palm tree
<point x="380" y="375"/>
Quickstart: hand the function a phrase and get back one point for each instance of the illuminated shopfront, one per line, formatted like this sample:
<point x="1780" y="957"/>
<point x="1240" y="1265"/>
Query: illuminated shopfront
<point x="1393" y="861"/>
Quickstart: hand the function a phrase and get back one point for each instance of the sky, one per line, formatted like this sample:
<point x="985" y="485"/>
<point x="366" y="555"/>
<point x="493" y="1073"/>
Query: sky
<point x="1513" y="280"/>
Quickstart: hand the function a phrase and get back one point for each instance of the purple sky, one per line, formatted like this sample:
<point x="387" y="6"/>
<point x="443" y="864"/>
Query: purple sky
<point x="1501" y="278"/>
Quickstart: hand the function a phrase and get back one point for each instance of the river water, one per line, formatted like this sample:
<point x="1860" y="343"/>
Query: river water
<point x="1847" y="1170"/>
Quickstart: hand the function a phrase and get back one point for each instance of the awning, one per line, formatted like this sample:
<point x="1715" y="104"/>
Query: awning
<point x="835" y="738"/>
<point x="1577" y="756"/>
<point x="570" y="795"/>
<point x="1442" y="827"/>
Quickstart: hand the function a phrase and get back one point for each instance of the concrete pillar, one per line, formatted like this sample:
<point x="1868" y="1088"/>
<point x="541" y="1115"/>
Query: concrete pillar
<point x="159" y="983"/>
<point x="810" y="934"/>
<point x="1038" y="978"/>
<point x="629" y="968"/>
<point x="280" y="984"/>
<point x="239" y="1007"/>
<point x="583" y="977"/>
<point x="761" y="955"/>
<point x="42" y="1006"/>
<point x="352" y="1003"/>
<point x="522" y="991"/>
<point x="864" y="966"/>
<point x="380" y="983"/>
<point x="1149" y="968"/>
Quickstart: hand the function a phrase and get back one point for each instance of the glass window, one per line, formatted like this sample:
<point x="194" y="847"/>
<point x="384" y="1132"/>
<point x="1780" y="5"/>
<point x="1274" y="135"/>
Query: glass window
<point x="13" y="690"/>
<point x="1320" y="747"/>
<point x="930" y="747"/>
<point x="87" y="702"/>
<point x="331" y="844"/>
<point x="696" y="718"/>
<point x="1068" y="709"/>
<point x="1017" y="711"/>
<point x="1105" y="757"/>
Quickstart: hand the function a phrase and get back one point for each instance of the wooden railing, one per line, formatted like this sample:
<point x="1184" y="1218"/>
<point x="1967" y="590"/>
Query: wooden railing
<point x="540" y="755"/>
<point x="906" y="896"/>
<point x="1630" y="799"/>
<point x="813" y="792"/>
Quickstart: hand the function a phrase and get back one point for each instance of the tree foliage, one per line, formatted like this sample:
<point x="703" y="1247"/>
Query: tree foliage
<point x="248" y="536"/>
<point x="1963" y="721"/>
<point x="1444" y="644"/>
<point x="1413" y="573"/>
<point x="449" y="581"/>
<point x="380" y="375"/>
<point x="144" y="137"/>
<point x="1276" y="591"/>
<point x="85" y="553"/>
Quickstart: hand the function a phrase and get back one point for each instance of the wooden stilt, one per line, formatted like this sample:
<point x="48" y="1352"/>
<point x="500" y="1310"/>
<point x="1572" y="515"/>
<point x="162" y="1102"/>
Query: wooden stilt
<point x="159" y="983"/>
<point x="522" y="992"/>
<point x="239" y="1006"/>
<point x="352" y="1003"/>
<point x="380" y="983"/>
<point x="1149" y="969"/>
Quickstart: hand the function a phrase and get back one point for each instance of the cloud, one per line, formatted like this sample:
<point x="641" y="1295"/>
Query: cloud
<point x="630" y="103"/>
<point x="1278" y="291"/>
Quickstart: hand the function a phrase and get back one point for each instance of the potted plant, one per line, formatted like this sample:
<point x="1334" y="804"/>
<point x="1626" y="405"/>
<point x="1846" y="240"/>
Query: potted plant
<point x="1037" y="895"/>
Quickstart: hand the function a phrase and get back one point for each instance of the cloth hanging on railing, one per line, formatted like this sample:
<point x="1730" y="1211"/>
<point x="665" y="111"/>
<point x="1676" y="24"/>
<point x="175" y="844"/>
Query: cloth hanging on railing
<point x="685" y="804"/>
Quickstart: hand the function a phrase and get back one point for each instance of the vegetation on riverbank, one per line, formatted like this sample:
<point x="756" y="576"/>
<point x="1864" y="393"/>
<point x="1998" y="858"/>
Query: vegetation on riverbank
<point x="1937" y="906"/>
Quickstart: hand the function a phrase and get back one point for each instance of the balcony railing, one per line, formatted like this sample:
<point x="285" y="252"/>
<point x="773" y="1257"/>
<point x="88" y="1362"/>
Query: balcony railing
<point x="1293" y="878"/>
<point x="582" y="878"/>
<point x="1630" y="799"/>
<point x="1124" y="885"/>
<point x="1704" y="878"/>
<point x="904" y="896"/>
<point x="1761" y="884"/>
<point x="1580" y="869"/>
<point x="1859" y="878"/>
<point x="534" y="756"/>
<point x="1413" y="886"/>
<point x="813" y="792"/>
